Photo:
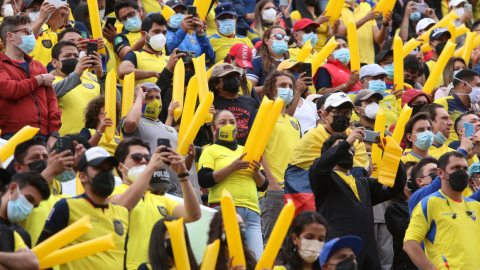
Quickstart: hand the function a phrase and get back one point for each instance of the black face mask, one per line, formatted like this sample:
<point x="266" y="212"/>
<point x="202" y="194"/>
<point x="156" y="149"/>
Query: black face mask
<point x="411" y="82"/>
<point x="417" y="108"/>
<point x="68" y="66"/>
<point x="311" y="3"/>
<point x="168" y="248"/>
<point x="231" y="84"/>
<point x="433" y="175"/>
<point x="458" y="180"/>
<point x="346" y="161"/>
<point x="188" y="75"/>
<point x="340" y="123"/>
<point x="347" y="264"/>
<point x="103" y="183"/>
<point x="439" y="48"/>
<point x="38" y="165"/>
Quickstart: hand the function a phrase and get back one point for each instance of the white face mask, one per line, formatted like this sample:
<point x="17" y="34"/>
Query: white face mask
<point x="157" y="42"/>
<point x="474" y="95"/>
<point x="34" y="16"/>
<point x="371" y="110"/>
<point x="8" y="10"/>
<point x="135" y="172"/>
<point x="269" y="15"/>
<point x="310" y="249"/>
<point x="102" y="13"/>
<point x="460" y="11"/>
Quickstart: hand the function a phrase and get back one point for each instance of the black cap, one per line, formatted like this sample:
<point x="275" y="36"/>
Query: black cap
<point x="175" y="3"/>
<point x="160" y="180"/>
<point x="321" y="100"/>
<point x="381" y="55"/>
<point x="28" y="3"/>
<point x="438" y="32"/>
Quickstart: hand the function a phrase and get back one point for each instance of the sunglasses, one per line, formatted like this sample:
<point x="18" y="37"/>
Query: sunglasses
<point x="279" y="36"/>
<point x="138" y="157"/>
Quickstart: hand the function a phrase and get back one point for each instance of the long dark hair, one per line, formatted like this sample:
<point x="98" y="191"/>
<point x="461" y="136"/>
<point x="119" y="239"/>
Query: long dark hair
<point x="268" y="62"/>
<point x="259" y="25"/>
<point x="80" y="13"/>
<point x="157" y="254"/>
<point x="243" y="78"/>
<point x="290" y="256"/>
<point x="302" y="9"/>
<point x="216" y="233"/>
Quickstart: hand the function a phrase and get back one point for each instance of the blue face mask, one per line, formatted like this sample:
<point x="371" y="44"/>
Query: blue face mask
<point x="439" y="137"/>
<point x="19" y="209"/>
<point x="286" y="94"/>
<point x="176" y="20"/>
<point x="279" y="47"/>
<point x="66" y="176"/>
<point x="456" y="72"/>
<point x="226" y="27"/>
<point x="310" y="36"/>
<point x="28" y="43"/>
<point x="342" y="55"/>
<point x="377" y="86"/>
<point x="132" y="24"/>
<point x="389" y="70"/>
<point x="424" y="140"/>
<point x="415" y="16"/>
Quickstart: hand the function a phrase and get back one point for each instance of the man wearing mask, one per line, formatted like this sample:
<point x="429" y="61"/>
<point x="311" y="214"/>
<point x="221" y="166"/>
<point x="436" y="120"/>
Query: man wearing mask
<point x="304" y="30"/>
<point x="225" y="84"/>
<point x="474" y="177"/>
<point x="27" y="96"/>
<point x="423" y="181"/>
<point x="150" y="61"/>
<point x="96" y="174"/>
<point x="179" y="36"/>
<point x="385" y="60"/>
<point x="337" y="114"/>
<point x="443" y="216"/>
<point x="333" y="184"/>
<point x="137" y="168"/>
<point x="466" y="92"/>
<point x="335" y="74"/>
<point x="142" y="122"/>
<point x="438" y="40"/>
<point x="131" y="38"/>
<point x="418" y="137"/>
<point x="422" y="26"/>
<point x="74" y="86"/>
<point x="226" y="22"/>
<point x="341" y="253"/>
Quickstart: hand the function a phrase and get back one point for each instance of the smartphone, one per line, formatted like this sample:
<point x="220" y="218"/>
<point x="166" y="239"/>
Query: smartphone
<point x="284" y="3"/>
<point x="468" y="129"/>
<point x="192" y="10"/>
<point x="65" y="143"/>
<point x="420" y="7"/>
<point x="468" y="7"/>
<point x="307" y="68"/>
<point x="110" y="21"/>
<point x="188" y="56"/>
<point x="166" y="142"/>
<point x="371" y="136"/>
<point x="91" y="47"/>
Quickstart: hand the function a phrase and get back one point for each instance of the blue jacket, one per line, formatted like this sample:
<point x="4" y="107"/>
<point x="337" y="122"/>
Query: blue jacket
<point x="186" y="42"/>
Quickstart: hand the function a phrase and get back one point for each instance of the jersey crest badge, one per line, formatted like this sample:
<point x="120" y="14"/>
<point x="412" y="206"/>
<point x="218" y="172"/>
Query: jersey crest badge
<point x="118" y="40"/>
<point x="473" y="216"/>
<point x="169" y="129"/>
<point x="163" y="210"/>
<point x="88" y="85"/>
<point x="118" y="227"/>
<point x="117" y="140"/>
<point x="47" y="43"/>
<point x="294" y="124"/>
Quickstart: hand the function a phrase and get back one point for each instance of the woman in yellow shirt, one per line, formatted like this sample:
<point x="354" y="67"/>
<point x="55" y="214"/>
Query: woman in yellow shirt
<point x="311" y="10"/>
<point x="222" y="167"/>
<point x="304" y="241"/>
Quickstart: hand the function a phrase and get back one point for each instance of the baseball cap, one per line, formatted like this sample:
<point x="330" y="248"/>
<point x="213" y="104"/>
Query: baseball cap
<point x="379" y="57"/>
<point x="96" y="156"/>
<point x="225" y="8"/>
<point x="312" y="97"/>
<point x="300" y="24"/>
<point x="372" y="70"/>
<point x="289" y="63"/>
<point x="151" y="86"/>
<point x="454" y="3"/>
<point x="322" y="100"/>
<point x="410" y="94"/>
<point x="438" y="32"/>
<point x="337" y="99"/>
<point x="222" y="70"/>
<point x="424" y="23"/>
<point x="243" y="55"/>
<point x="27" y="3"/>
<point x="366" y="94"/>
<point x="350" y="241"/>
<point x="474" y="168"/>
<point x="175" y="3"/>
<point x="160" y="180"/>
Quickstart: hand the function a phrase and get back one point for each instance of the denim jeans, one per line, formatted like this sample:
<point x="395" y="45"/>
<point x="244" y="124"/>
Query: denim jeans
<point x="254" y="229"/>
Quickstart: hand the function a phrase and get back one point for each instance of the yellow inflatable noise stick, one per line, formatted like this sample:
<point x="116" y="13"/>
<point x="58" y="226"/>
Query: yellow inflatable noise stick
<point x="26" y="133"/>
<point x="189" y="108"/>
<point x="179" y="246"/>
<point x="201" y="73"/>
<point x="442" y="23"/>
<point x="128" y="94"/>
<point x="380" y="121"/>
<point x="167" y="12"/>
<point x="111" y="104"/>
<point x="398" y="61"/>
<point x="391" y="159"/>
<point x="202" y="8"/>
<point x="276" y="238"/>
<point x="257" y="128"/>
<point x="468" y="46"/>
<point x="178" y="87"/>
<point x="305" y="51"/>
<point x="234" y="241"/>
<point x="63" y="237"/>
<point x="410" y="46"/>
<point x="210" y="257"/>
<point x="438" y="69"/>
<point x="334" y="10"/>
<point x="402" y="121"/>
<point x="452" y="29"/>
<point x="269" y="126"/>
<point x="353" y="46"/>
<point x="323" y="54"/>
<point x="95" y="23"/>
<point x="78" y="251"/>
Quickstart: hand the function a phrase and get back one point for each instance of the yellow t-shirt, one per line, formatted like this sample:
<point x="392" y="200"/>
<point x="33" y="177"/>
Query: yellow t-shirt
<point x="350" y="180"/>
<point x="150" y="209"/>
<point x="111" y="146"/>
<point x="241" y="183"/>
<point x="410" y="156"/>
<point x="148" y="61"/>
<point x="211" y="27"/>
<point x="19" y="244"/>
<point x="43" y="47"/>
<point x="222" y="44"/>
<point x="364" y="33"/>
<point x="323" y="32"/>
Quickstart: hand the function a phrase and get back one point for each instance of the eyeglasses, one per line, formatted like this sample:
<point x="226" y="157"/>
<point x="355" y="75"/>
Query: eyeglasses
<point x="338" y="113"/>
<point x="27" y="30"/>
<point x="129" y="15"/>
<point x="226" y="7"/>
<point x="138" y="157"/>
<point x="279" y="36"/>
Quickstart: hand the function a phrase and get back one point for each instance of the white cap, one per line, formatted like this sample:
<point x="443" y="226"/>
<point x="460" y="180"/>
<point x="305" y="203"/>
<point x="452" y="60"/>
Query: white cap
<point x="372" y="70"/>
<point x="337" y="99"/>
<point x="424" y="23"/>
<point x="312" y="97"/>
<point x="96" y="156"/>
<point x="454" y="3"/>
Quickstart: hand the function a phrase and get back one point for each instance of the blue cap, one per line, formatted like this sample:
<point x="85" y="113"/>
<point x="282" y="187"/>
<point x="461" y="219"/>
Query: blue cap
<point x="350" y="241"/>
<point x="474" y="168"/>
<point x="225" y="8"/>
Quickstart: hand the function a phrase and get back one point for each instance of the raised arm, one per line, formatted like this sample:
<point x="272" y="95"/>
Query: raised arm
<point x="380" y="194"/>
<point x="130" y="124"/>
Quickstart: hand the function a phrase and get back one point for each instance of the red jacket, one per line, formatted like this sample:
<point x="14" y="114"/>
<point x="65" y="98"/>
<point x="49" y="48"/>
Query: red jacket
<point x="339" y="74"/>
<point x="23" y="102"/>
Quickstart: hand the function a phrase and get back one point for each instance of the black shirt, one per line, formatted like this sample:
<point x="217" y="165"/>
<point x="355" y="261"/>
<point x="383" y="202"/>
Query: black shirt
<point x="21" y="231"/>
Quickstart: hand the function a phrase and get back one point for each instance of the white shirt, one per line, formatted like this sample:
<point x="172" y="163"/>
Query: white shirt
<point x="307" y="116"/>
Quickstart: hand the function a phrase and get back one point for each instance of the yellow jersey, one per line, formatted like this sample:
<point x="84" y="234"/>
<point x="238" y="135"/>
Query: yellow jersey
<point x="222" y="44"/>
